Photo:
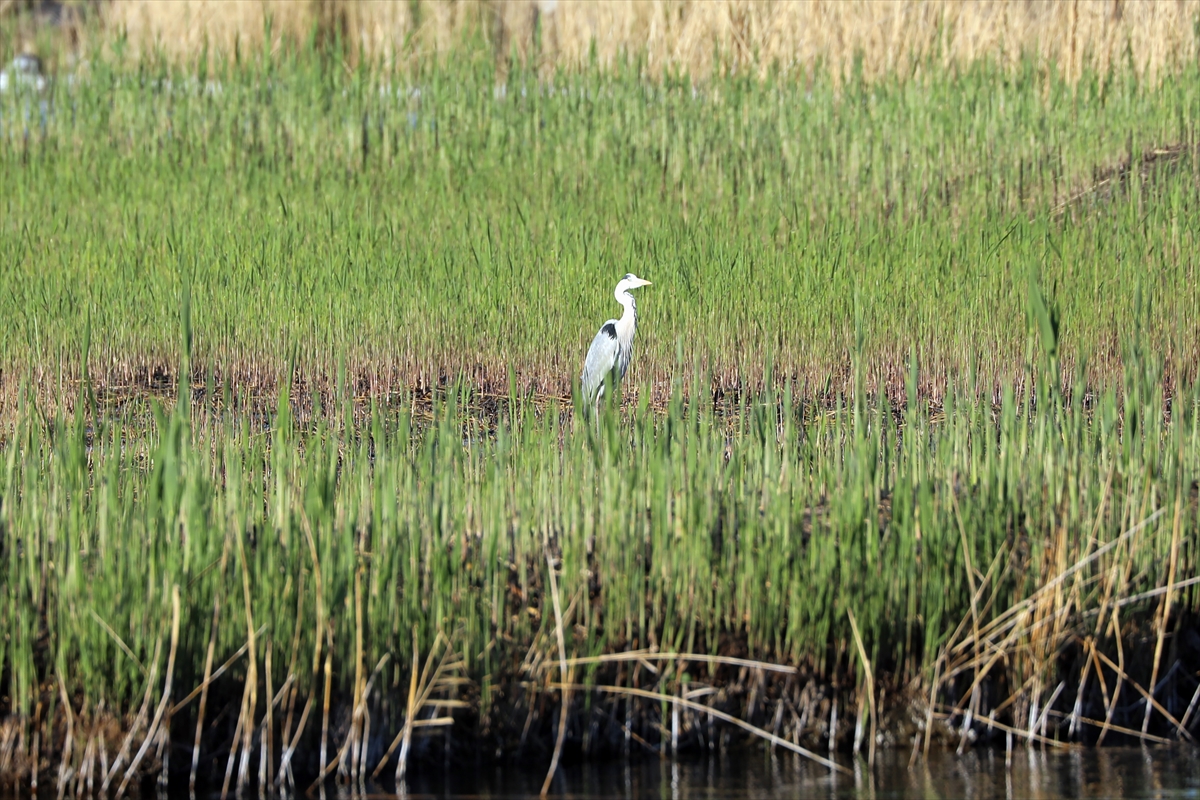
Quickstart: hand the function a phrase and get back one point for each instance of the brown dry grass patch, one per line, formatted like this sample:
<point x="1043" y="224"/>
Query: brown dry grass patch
<point x="698" y="36"/>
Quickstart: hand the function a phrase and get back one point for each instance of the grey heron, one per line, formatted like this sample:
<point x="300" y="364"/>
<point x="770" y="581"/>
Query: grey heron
<point x="613" y="346"/>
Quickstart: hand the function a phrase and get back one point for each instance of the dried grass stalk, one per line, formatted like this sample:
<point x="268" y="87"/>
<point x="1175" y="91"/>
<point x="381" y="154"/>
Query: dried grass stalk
<point x="696" y="36"/>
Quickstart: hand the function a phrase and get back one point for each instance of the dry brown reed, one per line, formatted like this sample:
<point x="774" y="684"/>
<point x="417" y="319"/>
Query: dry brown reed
<point x="696" y="36"/>
<point x="1026" y="641"/>
<point x="435" y="691"/>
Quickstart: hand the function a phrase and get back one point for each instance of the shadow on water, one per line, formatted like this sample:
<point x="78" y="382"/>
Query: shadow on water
<point x="1107" y="772"/>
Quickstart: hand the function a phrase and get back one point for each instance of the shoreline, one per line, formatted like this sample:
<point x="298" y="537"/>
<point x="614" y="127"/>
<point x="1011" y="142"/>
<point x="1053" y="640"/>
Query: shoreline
<point x="780" y="711"/>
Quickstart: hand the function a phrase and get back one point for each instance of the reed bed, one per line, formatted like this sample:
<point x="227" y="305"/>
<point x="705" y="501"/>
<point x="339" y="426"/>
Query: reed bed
<point x="882" y="39"/>
<point x="1001" y="562"/>
<point x="294" y="485"/>
<point x="433" y="228"/>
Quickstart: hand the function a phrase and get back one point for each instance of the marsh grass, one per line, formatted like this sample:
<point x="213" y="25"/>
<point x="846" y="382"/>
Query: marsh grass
<point x="919" y="354"/>
<point x="880" y="39"/>
<point x="681" y="532"/>
<point x="424" y="229"/>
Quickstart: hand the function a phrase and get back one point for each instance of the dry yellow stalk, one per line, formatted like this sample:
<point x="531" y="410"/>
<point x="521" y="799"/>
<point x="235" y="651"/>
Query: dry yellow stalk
<point x="696" y="36"/>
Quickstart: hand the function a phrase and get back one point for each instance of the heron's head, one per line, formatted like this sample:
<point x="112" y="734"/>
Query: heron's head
<point x="630" y="281"/>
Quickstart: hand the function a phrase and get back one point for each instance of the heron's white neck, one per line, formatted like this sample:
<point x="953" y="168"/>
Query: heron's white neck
<point x="628" y="320"/>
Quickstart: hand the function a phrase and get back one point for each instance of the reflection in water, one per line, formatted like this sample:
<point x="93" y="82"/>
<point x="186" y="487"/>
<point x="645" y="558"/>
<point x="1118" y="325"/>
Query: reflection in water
<point x="1109" y="772"/>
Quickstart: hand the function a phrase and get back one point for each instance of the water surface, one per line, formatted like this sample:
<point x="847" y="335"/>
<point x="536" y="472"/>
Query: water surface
<point x="751" y="774"/>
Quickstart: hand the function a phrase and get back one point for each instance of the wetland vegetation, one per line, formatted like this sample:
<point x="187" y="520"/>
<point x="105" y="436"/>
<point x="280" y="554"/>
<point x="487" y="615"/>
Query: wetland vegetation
<point x="911" y="436"/>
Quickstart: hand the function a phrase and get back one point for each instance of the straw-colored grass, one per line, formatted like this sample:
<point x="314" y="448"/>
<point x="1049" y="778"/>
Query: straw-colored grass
<point x="698" y="36"/>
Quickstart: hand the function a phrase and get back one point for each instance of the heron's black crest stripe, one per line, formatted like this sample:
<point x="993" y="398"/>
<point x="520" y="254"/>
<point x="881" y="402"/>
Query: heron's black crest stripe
<point x="610" y="329"/>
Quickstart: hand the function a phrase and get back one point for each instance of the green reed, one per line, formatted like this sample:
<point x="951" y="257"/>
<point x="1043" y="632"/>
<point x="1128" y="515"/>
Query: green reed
<point x="416" y="246"/>
<point x="427" y="224"/>
<point x="764" y="522"/>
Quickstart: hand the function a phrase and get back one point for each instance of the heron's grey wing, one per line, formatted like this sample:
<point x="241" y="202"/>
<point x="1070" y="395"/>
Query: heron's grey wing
<point x="601" y="358"/>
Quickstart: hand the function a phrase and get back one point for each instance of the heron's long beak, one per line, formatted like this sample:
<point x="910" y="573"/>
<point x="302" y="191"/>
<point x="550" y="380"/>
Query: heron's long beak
<point x="646" y="282"/>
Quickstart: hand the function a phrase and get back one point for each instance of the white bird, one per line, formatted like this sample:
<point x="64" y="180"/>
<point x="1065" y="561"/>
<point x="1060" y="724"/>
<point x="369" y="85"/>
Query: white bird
<point x="613" y="346"/>
<point x="24" y="71"/>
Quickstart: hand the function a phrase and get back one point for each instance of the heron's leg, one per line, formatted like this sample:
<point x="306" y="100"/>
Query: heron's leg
<point x="599" y="396"/>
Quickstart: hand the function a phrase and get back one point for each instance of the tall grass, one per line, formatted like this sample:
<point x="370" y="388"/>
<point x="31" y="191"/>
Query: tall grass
<point x="919" y="354"/>
<point x="431" y="228"/>
<point x="680" y="531"/>
<point x="699" y="37"/>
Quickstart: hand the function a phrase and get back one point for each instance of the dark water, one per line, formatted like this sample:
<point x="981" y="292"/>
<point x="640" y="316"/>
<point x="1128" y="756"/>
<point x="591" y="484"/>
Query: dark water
<point x="1110" y="772"/>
